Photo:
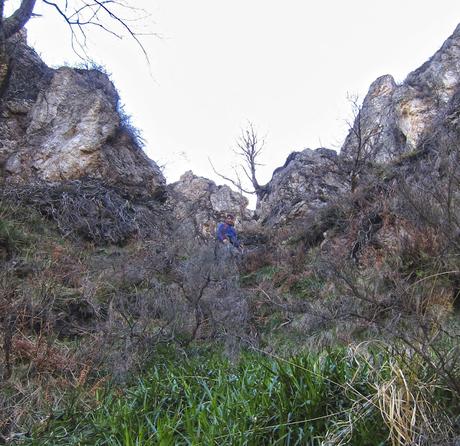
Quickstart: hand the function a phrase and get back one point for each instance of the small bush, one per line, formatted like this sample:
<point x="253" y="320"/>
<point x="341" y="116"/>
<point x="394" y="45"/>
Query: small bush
<point x="11" y="239"/>
<point x="266" y="272"/>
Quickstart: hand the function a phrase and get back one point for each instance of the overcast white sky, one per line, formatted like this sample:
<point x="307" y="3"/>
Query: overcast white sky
<point x="287" y="66"/>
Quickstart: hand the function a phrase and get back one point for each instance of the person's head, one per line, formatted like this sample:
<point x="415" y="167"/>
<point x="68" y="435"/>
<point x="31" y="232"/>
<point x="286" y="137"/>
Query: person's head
<point x="230" y="219"/>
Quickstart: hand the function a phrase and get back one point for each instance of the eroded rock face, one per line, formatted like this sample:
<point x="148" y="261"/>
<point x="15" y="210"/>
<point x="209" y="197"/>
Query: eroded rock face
<point x="64" y="125"/>
<point x="306" y="182"/>
<point x="397" y="118"/>
<point x="199" y="204"/>
<point x="375" y="133"/>
<point x="393" y="121"/>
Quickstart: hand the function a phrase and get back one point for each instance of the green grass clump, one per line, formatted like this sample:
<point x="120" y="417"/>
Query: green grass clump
<point x="23" y="230"/>
<point x="306" y="287"/>
<point x="260" y="401"/>
<point x="265" y="273"/>
<point x="11" y="237"/>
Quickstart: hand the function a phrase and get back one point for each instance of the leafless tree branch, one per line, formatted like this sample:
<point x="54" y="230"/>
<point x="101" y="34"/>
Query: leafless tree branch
<point x="78" y="15"/>
<point x="249" y="148"/>
<point x="237" y="183"/>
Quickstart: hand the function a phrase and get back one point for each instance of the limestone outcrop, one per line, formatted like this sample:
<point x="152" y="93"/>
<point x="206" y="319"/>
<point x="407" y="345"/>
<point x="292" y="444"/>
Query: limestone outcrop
<point x="198" y="203"/>
<point x="64" y="124"/>
<point x="393" y="122"/>
<point x="307" y="181"/>
<point x="396" y="119"/>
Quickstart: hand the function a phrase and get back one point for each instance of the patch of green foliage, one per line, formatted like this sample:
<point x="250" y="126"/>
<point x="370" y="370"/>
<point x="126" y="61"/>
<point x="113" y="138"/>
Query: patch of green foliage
<point x="265" y="273"/>
<point x="11" y="236"/>
<point x="306" y="287"/>
<point x="410" y="155"/>
<point x="22" y="227"/>
<point x="261" y="401"/>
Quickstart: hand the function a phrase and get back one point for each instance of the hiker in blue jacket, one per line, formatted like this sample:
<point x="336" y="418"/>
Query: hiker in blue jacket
<point x="226" y="232"/>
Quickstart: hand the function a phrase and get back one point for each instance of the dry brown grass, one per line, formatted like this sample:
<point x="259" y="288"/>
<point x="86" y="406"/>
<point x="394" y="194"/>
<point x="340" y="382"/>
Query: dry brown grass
<point x="43" y="355"/>
<point x="407" y="408"/>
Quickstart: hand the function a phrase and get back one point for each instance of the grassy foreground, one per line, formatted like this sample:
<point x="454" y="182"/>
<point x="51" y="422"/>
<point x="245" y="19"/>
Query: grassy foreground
<point x="339" y="397"/>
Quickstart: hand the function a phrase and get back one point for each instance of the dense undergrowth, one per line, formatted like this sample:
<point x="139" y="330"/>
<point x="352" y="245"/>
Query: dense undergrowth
<point x="359" y="397"/>
<point x="84" y="336"/>
<point x="339" y="329"/>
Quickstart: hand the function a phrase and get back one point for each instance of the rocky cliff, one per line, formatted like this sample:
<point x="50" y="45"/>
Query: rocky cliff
<point x="396" y="119"/>
<point x="65" y="124"/>
<point x="394" y="122"/>
<point x="307" y="181"/>
<point x="66" y="149"/>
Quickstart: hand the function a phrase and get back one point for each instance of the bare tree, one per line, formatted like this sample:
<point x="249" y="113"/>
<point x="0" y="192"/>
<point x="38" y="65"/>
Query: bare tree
<point x="249" y="147"/>
<point x="362" y="141"/>
<point x="80" y="16"/>
<point x="14" y="23"/>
